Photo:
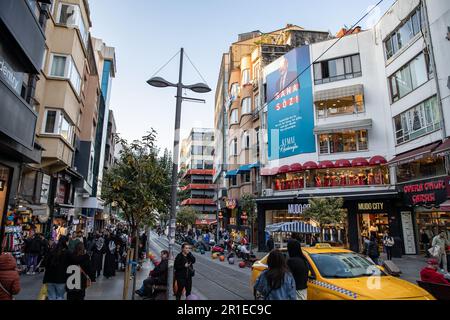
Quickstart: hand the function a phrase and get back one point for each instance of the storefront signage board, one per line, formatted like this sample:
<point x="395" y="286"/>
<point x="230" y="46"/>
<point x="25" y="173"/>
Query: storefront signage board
<point x="408" y="233"/>
<point x="297" y="209"/>
<point x="372" y="207"/>
<point x="9" y="75"/>
<point x="290" y="110"/>
<point x="426" y="192"/>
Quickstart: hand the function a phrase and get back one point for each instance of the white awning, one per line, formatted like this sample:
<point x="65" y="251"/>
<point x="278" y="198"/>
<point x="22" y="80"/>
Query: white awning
<point x="337" y="93"/>
<point x="298" y="227"/>
<point x="343" y="126"/>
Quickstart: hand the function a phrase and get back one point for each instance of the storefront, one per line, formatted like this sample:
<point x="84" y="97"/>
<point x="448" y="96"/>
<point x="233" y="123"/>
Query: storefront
<point x="427" y="202"/>
<point x="4" y="186"/>
<point x="363" y="218"/>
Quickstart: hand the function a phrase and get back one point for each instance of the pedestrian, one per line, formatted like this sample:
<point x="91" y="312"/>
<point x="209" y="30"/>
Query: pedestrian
<point x="34" y="250"/>
<point x="298" y="266"/>
<point x="109" y="268"/>
<point x="74" y="241"/>
<point x="270" y="244"/>
<point x="388" y="243"/>
<point x="431" y="275"/>
<point x="97" y="255"/>
<point x="275" y="283"/>
<point x="372" y="249"/>
<point x="425" y="240"/>
<point x="184" y="271"/>
<point x="81" y="259"/>
<point x="9" y="277"/>
<point x="440" y="243"/>
<point x="158" y="276"/>
<point x="55" y="276"/>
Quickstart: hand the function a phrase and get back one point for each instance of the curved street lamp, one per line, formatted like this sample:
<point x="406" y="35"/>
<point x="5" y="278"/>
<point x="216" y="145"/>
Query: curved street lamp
<point x="159" y="82"/>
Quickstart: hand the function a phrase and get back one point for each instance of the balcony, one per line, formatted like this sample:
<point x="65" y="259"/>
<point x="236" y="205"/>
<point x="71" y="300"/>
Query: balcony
<point x="58" y="154"/>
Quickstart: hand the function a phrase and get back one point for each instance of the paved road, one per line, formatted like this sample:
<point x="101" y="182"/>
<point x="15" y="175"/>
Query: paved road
<point x="214" y="280"/>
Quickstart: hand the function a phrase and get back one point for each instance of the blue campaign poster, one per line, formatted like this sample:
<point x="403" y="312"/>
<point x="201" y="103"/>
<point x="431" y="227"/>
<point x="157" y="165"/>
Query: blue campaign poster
<point x="290" y="110"/>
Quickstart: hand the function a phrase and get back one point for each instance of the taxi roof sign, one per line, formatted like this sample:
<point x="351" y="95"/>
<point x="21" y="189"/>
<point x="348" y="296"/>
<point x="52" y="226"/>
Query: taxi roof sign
<point x="323" y="246"/>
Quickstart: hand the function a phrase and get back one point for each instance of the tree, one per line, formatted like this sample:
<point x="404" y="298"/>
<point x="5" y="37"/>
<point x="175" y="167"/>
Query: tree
<point x="186" y="216"/>
<point x="325" y="211"/>
<point x="137" y="184"/>
<point x="248" y="203"/>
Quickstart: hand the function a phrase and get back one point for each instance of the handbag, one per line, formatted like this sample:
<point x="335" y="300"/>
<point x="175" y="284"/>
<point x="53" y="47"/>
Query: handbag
<point x="88" y="279"/>
<point x="434" y="251"/>
<point x="6" y="291"/>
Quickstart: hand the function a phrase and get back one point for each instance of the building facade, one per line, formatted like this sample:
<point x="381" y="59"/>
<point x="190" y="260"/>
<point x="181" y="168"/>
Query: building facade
<point x="378" y="138"/>
<point x="22" y="45"/>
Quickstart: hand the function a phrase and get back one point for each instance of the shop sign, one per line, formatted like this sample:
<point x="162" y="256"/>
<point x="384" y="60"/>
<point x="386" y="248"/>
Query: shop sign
<point x="427" y="192"/>
<point x="231" y="203"/>
<point x="10" y="76"/>
<point x="372" y="206"/>
<point x="297" y="209"/>
<point x="2" y="185"/>
<point x="45" y="189"/>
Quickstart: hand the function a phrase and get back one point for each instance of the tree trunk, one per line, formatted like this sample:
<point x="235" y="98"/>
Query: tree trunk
<point x="127" y="273"/>
<point x="136" y="260"/>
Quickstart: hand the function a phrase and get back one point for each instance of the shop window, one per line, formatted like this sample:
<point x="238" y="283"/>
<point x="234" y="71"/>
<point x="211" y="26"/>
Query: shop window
<point x="403" y="35"/>
<point x="425" y="168"/>
<point x="411" y="76"/>
<point x="350" y="141"/>
<point x="417" y="121"/>
<point x="429" y="222"/>
<point x="337" y="69"/>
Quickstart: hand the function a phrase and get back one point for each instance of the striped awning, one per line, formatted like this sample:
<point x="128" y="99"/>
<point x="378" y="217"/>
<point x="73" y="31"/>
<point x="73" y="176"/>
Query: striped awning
<point x="337" y="93"/>
<point x="298" y="227"/>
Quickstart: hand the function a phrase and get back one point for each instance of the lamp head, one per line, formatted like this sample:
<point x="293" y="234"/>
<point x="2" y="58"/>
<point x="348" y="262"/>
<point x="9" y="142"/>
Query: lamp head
<point x="199" y="88"/>
<point x="160" y="82"/>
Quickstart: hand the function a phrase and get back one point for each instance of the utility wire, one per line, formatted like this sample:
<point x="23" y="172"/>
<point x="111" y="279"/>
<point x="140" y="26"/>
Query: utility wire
<point x="195" y="67"/>
<point x="176" y="54"/>
<point x="317" y="59"/>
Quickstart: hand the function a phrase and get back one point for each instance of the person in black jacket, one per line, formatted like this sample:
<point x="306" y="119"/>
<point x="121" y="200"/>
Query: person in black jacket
<point x="81" y="259"/>
<point x="299" y="268"/>
<point x="33" y="246"/>
<point x="184" y="270"/>
<point x="55" y="276"/>
<point x="372" y="249"/>
<point x="270" y="244"/>
<point x="158" y="276"/>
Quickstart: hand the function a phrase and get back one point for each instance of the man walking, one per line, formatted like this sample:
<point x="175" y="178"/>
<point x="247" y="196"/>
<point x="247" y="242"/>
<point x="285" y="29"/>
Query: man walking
<point x="441" y="242"/>
<point x="184" y="271"/>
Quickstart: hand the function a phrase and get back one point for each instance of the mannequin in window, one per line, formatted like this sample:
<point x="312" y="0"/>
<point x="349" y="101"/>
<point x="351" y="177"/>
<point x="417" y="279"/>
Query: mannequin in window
<point x="371" y="178"/>
<point x="343" y="179"/>
<point x="351" y="178"/>
<point x="379" y="177"/>
<point x="327" y="179"/>
<point x="362" y="178"/>
<point x="301" y="182"/>
<point x="318" y="181"/>
<point x="334" y="180"/>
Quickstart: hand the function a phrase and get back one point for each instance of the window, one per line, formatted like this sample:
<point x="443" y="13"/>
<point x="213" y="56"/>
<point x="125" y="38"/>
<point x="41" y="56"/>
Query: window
<point x="233" y="181"/>
<point x="337" y="69"/>
<point x="57" y="123"/>
<point x="403" y="34"/>
<point x="350" y="141"/>
<point x="246" y="105"/>
<point x="70" y="15"/>
<point x="245" y="144"/>
<point x="417" y="121"/>
<point x="421" y="169"/>
<point x="341" y="106"/>
<point x="63" y="66"/>
<point x="257" y="102"/>
<point x="245" y="177"/>
<point x="234" y="91"/>
<point x="409" y="77"/>
<point x="197" y="150"/>
<point x="256" y="72"/>
<point x="245" y="77"/>
<point x="233" y="147"/>
<point x="234" y="117"/>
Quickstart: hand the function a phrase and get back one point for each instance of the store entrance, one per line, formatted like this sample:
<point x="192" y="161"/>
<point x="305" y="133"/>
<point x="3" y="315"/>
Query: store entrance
<point x="4" y="178"/>
<point x="372" y="224"/>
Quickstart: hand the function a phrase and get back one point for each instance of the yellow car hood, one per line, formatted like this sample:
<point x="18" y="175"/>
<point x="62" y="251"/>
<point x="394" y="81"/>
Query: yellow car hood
<point x="381" y="288"/>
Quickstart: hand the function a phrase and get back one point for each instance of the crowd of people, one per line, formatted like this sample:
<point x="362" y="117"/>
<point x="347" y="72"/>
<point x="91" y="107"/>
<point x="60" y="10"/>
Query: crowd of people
<point x="100" y="253"/>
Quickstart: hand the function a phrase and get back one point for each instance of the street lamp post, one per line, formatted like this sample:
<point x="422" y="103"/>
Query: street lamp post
<point x="198" y="88"/>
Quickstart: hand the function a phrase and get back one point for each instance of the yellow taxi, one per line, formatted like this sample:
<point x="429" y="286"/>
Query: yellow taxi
<point x="340" y="274"/>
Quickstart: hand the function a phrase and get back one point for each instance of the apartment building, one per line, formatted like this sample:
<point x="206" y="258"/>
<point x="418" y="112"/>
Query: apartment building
<point x="197" y="155"/>
<point x="22" y="41"/>
<point x="368" y="127"/>
<point x="245" y="146"/>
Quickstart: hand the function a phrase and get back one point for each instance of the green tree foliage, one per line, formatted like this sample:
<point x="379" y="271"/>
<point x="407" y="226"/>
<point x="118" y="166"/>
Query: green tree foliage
<point x="137" y="183"/>
<point x="326" y="211"/>
<point x="248" y="203"/>
<point x="186" y="216"/>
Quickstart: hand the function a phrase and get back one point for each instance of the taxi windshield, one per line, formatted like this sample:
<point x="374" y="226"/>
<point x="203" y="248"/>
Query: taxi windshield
<point x="344" y="265"/>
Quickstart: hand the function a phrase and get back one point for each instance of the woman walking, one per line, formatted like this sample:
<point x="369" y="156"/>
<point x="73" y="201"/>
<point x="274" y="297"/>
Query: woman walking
<point x="109" y="269"/>
<point x="388" y="243"/>
<point x="55" y="275"/>
<point x="97" y="255"/>
<point x="276" y="283"/>
<point x="184" y="270"/>
<point x="81" y="259"/>
<point x="9" y="277"/>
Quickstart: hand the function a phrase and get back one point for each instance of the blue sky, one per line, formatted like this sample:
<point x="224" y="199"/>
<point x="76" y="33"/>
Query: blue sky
<point x="147" y="33"/>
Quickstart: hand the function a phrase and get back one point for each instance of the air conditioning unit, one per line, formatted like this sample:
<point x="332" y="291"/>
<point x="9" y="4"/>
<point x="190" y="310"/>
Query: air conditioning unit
<point x="267" y="193"/>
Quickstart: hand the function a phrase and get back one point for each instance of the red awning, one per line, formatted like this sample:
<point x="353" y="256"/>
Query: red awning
<point x="416" y="154"/>
<point x="200" y="202"/>
<point x="199" y="186"/>
<point x="310" y="165"/>
<point x="443" y="149"/>
<point x="205" y="222"/>
<point x="296" y="167"/>
<point x="202" y="172"/>
<point x="326" y="165"/>
<point x="360" y="162"/>
<point x="274" y="171"/>
<point x="283" y="169"/>
<point x="377" y="160"/>
<point x="343" y="163"/>
<point x="266" y="172"/>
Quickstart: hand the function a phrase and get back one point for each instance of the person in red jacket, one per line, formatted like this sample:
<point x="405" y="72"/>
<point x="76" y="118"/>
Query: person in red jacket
<point x="9" y="277"/>
<point x="431" y="275"/>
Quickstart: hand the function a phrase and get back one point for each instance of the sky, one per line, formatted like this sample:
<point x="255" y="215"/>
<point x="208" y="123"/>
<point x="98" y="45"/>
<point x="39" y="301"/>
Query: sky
<point x="147" y="33"/>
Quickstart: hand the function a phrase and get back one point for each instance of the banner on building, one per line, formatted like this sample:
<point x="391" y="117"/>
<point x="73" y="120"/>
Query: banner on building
<point x="290" y="110"/>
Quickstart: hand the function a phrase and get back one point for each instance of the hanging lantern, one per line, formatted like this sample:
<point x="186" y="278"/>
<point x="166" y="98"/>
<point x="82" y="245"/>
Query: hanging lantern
<point x="220" y="216"/>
